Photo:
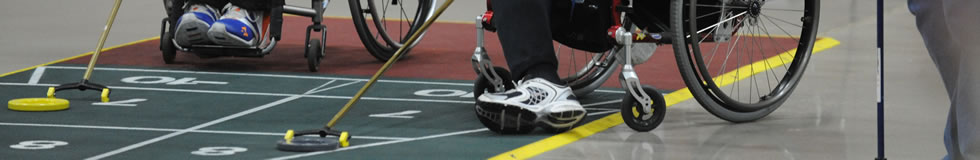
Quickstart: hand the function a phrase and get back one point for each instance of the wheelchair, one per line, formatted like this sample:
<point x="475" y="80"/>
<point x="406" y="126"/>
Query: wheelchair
<point x="722" y="49"/>
<point x="370" y="21"/>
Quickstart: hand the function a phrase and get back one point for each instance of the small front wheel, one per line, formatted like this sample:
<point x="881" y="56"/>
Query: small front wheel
<point x="635" y="116"/>
<point x="167" y="48"/>
<point x="314" y="52"/>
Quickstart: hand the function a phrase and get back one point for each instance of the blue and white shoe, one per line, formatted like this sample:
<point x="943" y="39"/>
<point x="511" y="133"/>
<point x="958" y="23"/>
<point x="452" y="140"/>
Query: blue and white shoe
<point x="235" y="28"/>
<point x="192" y="27"/>
<point x="552" y="106"/>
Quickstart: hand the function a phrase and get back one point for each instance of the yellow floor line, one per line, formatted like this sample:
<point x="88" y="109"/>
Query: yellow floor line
<point x="553" y="142"/>
<point x="80" y="55"/>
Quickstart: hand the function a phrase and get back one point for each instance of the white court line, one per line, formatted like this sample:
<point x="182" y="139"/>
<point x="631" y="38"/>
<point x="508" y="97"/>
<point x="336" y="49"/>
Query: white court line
<point x="314" y="90"/>
<point x="174" y="130"/>
<point x="379" y="144"/>
<point x="601" y="103"/>
<point x="602" y="109"/>
<point x="180" y="132"/>
<point x="258" y="93"/>
<point x="321" y="86"/>
<point x="285" y="94"/>
<point x="213" y="122"/>
<point x="36" y="76"/>
<point x="600" y="112"/>
<point x="260" y="75"/>
<point x="283" y="76"/>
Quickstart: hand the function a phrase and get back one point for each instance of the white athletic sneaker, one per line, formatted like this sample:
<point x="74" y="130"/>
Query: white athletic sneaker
<point x="192" y="27"/>
<point x="553" y="106"/>
<point x="235" y="28"/>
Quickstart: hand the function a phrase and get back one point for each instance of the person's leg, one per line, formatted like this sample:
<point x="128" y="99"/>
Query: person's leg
<point x="212" y="3"/>
<point x="525" y="35"/>
<point x="963" y="24"/>
<point x="949" y="35"/>
<point x="236" y="27"/>
<point x="257" y="4"/>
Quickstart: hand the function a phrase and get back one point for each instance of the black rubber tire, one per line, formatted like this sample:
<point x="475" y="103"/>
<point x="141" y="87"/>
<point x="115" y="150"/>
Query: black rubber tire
<point x="579" y="84"/>
<point x="636" y="122"/>
<point x="313" y="54"/>
<point x="167" y="48"/>
<point x="708" y="96"/>
<point x="482" y="85"/>
<point x="308" y="144"/>
<point x="383" y="49"/>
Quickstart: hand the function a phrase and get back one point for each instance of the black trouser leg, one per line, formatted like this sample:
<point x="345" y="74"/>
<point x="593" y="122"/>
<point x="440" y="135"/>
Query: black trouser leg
<point x="525" y="35"/>
<point x="216" y="4"/>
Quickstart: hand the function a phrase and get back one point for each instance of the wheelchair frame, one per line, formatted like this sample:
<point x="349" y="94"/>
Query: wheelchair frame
<point x="174" y="10"/>
<point x="587" y="79"/>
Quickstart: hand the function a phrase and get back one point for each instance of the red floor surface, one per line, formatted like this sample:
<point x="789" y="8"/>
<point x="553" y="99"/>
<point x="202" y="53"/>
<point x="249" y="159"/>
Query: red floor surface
<point x="444" y="53"/>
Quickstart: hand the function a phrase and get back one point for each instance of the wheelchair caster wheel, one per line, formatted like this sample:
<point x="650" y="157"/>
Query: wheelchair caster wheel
<point x="634" y="115"/>
<point x="167" y="48"/>
<point x="499" y="119"/>
<point x="483" y="85"/>
<point x="313" y="55"/>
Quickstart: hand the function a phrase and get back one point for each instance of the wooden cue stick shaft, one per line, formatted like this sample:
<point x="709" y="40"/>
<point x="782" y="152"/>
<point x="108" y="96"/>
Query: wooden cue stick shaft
<point x="412" y="40"/>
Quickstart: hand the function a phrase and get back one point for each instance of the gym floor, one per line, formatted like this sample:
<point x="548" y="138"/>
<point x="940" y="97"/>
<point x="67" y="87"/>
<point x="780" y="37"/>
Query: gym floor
<point x="244" y="105"/>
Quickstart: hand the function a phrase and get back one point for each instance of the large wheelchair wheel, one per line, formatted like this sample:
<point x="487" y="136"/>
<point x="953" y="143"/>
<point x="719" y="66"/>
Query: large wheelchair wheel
<point x="585" y="71"/>
<point x="741" y="59"/>
<point x="385" y="25"/>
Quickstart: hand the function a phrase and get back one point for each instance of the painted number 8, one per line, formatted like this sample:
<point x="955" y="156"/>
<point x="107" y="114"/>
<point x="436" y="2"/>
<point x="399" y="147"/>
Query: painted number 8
<point x="38" y="144"/>
<point x="218" y="151"/>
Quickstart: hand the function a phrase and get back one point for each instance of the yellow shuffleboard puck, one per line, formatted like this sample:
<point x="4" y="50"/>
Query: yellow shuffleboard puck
<point x="37" y="104"/>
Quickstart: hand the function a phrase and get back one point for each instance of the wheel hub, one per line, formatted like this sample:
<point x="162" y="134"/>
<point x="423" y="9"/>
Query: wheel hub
<point x="755" y="7"/>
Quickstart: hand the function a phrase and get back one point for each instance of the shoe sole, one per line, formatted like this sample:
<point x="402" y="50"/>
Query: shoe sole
<point x="191" y="31"/>
<point x="508" y="117"/>
<point x="562" y="121"/>
<point x="565" y="119"/>
<point x="220" y="35"/>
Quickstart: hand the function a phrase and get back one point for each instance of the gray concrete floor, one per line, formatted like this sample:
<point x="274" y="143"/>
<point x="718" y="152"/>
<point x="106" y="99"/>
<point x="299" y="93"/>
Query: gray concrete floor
<point x="830" y="116"/>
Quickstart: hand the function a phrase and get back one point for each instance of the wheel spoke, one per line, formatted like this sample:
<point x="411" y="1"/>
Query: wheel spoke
<point x="781" y="9"/>
<point x="777" y="44"/>
<point x="755" y="40"/>
<point x="724" y="64"/>
<point x="781" y="20"/>
<point x="780" y="28"/>
<point x="722" y="21"/>
<point x="709" y="14"/>
<point x="721" y="6"/>
<point x="401" y="24"/>
<point x="766" y="60"/>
